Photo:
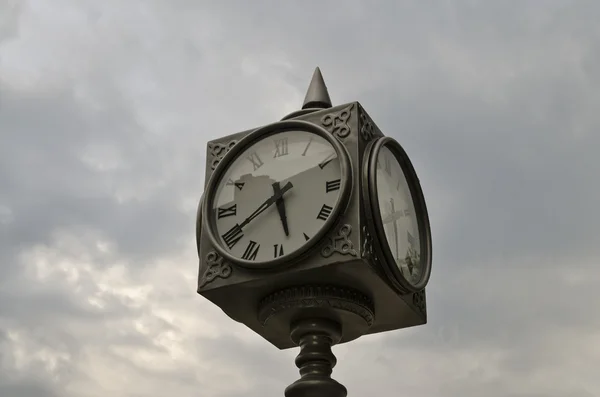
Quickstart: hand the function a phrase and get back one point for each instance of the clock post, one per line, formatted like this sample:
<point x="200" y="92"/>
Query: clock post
<point x="313" y="231"/>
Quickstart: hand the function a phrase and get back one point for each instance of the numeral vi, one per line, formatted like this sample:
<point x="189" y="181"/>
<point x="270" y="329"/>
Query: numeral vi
<point x="277" y="250"/>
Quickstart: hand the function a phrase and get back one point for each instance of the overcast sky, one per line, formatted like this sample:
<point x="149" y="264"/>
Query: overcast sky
<point x="105" y="111"/>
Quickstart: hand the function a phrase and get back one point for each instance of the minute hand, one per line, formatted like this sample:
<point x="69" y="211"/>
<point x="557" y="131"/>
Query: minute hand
<point x="394" y="216"/>
<point x="269" y="202"/>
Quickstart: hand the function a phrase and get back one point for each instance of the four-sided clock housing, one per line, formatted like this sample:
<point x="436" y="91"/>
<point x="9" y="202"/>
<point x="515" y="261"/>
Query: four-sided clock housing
<point x="324" y="200"/>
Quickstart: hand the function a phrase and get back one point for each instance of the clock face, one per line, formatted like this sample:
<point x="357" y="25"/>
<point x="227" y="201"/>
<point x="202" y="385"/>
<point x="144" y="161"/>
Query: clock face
<point x="398" y="216"/>
<point x="276" y="196"/>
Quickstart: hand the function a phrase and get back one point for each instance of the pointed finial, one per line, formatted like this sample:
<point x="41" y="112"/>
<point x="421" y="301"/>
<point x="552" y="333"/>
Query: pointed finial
<point x="317" y="95"/>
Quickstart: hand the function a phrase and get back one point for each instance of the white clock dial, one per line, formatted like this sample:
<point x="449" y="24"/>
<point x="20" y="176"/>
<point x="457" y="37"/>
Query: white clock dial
<point x="276" y="195"/>
<point x="399" y="216"/>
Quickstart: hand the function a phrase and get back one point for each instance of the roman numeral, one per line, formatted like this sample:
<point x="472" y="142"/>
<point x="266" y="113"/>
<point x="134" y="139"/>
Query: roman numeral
<point x="255" y="160"/>
<point x="227" y="211"/>
<point x="306" y="148"/>
<point x="277" y="250"/>
<point x="410" y="238"/>
<point x="306" y="237"/>
<point x="239" y="185"/>
<point x="234" y="235"/>
<point x="324" y="212"/>
<point x="331" y="186"/>
<point x="251" y="251"/>
<point x="327" y="160"/>
<point x="281" y="147"/>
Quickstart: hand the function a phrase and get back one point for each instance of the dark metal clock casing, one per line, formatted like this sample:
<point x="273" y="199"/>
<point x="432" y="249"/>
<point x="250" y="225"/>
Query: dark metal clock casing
<point x="345" y="264"/>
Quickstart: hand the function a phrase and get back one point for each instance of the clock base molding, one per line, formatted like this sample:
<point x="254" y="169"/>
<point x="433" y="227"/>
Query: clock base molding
<point x="315" y="336"/>
<point x="351" y="308"/>
<point x="318" y="316"/>
<point x="351" y="292"/>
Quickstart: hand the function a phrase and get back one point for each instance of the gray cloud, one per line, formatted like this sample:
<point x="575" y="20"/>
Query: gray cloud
<point x="105" y="111"/>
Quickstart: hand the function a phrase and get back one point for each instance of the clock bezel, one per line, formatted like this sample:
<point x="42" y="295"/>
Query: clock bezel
<point x="199" y="224"/>
<point x="375" y="221"/>
<point x="251" y="139"/>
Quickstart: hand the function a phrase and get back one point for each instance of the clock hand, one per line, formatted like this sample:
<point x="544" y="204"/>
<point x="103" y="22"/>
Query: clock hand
<point x="395" y="228"/>
<point x="268" y="202"/>
<point x="392" y="217"/>
<point x="281" y="209"/>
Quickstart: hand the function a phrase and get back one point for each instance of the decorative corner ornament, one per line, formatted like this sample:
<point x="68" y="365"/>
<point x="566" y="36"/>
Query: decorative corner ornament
<point x="340" y="244"/>
<point x="218" y="151"/>
<point x="367" y="129"/>
<point x="419" y="300"/>
<point x="337" y="123"/>
<point x="216" y="267"/>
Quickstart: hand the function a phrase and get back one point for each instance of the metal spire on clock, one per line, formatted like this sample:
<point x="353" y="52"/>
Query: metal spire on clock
<point x="317" y="95"/>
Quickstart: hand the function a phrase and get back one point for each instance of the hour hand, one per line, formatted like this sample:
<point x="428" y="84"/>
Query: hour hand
<point x="281" y="208"/>
<point x="268" y="202"/>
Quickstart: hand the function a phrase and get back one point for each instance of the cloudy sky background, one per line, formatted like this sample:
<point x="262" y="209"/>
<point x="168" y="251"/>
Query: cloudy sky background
<point x="105" y="111"/>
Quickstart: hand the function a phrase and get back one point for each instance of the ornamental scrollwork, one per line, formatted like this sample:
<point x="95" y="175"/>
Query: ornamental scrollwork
<point x="215" y="267"/>
<point x="367" y="245"/>
<point x="337" y="123"/>
<point x="367" y="128"/>
<point x="419" y="300"/>
<point x="313" y="296"/>
<point x="340" y="243"/>
<point x="368" y="248"/>
<point x="218" y="151"/>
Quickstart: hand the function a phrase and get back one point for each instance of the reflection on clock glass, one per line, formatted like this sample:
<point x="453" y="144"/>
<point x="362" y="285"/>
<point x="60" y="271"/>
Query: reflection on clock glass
<point x="276" y="195"/>
<point x="398" y="216"/>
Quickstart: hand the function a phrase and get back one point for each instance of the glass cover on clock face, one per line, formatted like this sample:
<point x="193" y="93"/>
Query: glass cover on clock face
<point x="398" y="216"/>
<point x="277" y="195"/>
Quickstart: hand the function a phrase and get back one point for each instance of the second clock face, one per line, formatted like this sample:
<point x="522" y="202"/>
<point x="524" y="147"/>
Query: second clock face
<point x="398" y="216"/>
<point x="276" y="195"/>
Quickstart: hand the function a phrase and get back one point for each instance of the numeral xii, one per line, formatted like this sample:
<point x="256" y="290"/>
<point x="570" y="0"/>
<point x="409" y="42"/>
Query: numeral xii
<point x="281" y="147"/>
